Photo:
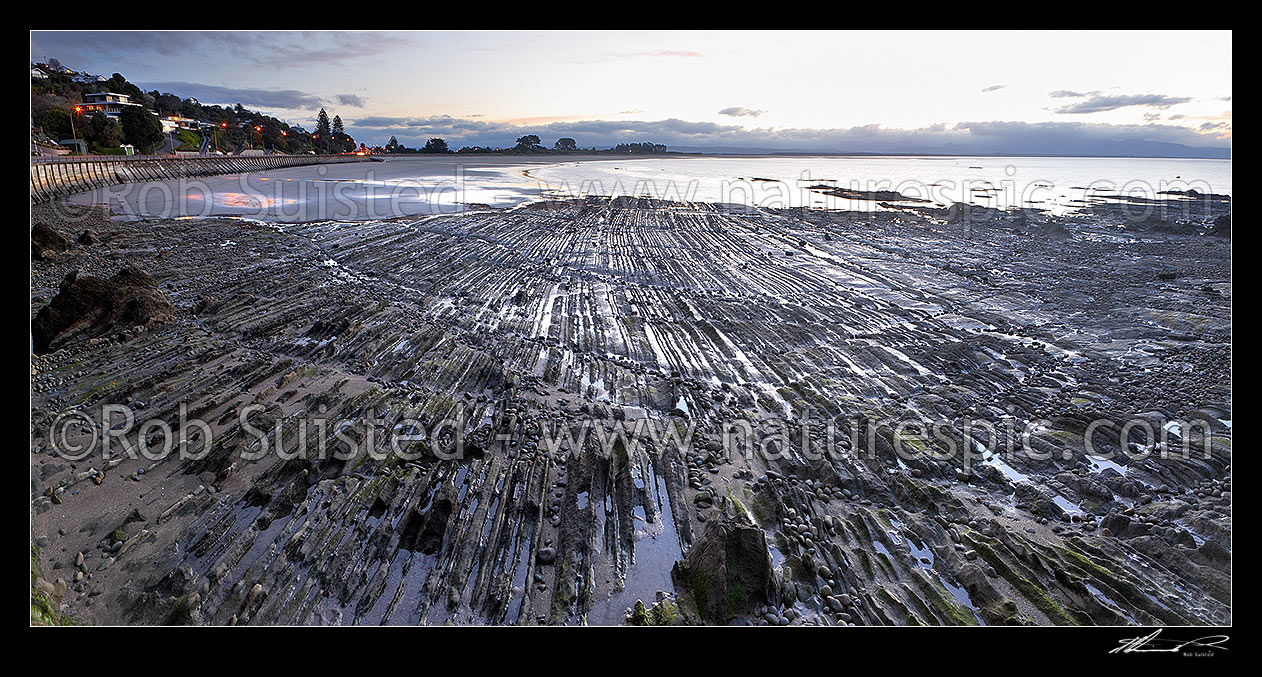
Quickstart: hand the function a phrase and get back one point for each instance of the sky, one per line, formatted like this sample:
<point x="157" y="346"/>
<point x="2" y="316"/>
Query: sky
<point x="1072" y="92"/>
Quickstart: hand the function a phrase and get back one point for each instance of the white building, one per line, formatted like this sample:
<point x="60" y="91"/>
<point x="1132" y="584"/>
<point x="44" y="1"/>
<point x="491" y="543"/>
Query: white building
<point x="108" y="103"/>
<point x="171" y="123"/>
<point x="86" y="78"/>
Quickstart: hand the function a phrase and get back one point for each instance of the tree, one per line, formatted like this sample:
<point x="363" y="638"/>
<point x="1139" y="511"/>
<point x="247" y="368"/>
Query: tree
<point x="342" y="142"/>
<point x="104" y="131"/>
<point x="528" y="142"/>
<point x="167" y="103"/>
<point x="57" y="123"/>
<point x="565" y="143"/>
<point x="119" y="85"/>
<point x="140" y="128"/>
<point x="435" y="146"/>
<point x="191" y="108"/>
<point x="639" y="148"/>
<point x="234" y="124"/>
<point x="393" y="145"/>
<point x="324" y="130"/>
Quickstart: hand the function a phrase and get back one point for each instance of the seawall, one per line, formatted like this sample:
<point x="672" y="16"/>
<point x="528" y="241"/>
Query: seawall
<point x="57" y="177"/>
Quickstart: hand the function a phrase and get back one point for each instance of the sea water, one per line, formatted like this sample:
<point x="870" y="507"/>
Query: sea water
<point x="403" y="187"/>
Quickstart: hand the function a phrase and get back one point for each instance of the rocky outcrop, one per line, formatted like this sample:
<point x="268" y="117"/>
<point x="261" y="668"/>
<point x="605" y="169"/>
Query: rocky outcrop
<point x="528" y="324"/>
<point x="47" y="242"/>
<point x="960" y="212"/>
<point x="727" y="572"/>
<point x="86" y="305"/>
<point x="1221" y="227"/>
<point x="855" y="194"/>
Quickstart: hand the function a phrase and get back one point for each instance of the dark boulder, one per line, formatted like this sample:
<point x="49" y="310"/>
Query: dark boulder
<point x="430" y="539"/>
<point x="206" y="306"/>
<point x="1053" y="229"/>
<point x="1212" y="554"/>
<point x="47" y="242"/>
<point x="87" y="305"/>
<point x="1037" y="501"/>
<point x="959" y="212"/>
<point x="727" y="572"/>
<point x="1116" y="523"/>
<point x="1221" y="227"/>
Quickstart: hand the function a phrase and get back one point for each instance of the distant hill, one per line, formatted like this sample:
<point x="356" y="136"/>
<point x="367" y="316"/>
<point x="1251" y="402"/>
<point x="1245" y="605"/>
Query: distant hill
<point x="1126" y="148"/>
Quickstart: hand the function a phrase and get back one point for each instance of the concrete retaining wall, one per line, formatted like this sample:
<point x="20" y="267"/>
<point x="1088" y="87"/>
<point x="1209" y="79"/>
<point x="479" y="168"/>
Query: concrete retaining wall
<point x="66" y="176"/>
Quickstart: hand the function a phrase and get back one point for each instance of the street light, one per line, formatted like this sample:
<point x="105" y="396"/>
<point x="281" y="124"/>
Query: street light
<point x="73" y="133"/>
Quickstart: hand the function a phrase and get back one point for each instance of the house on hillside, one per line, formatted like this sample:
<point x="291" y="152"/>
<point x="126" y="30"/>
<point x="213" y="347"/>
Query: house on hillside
<point x="171" y="123"/>
<point x="108" y="103"/>
<point x="86" y="78"/>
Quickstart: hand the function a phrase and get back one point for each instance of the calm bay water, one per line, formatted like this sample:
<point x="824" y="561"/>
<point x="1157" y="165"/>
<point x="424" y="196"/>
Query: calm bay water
<point x="418" y="186"/>
<point x="1058" y="184"/>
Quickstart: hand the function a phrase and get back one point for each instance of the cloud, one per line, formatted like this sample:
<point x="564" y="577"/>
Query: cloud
<point x="1095" y="102"/>
<point x="353" y="100"/>
<point x="281" y="50"/>
<point x="1068" y="94"/>
<point x="993" y="137"/>
<point x="993" y="88"/>
<point x="741" y="112"/>
<point x="654" y="53"/>
<point x="287" y="99"/>
<point x="670" y="52"/>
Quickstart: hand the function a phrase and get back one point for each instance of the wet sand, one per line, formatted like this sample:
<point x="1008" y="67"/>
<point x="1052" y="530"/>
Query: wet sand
<point x="395" y="187"/>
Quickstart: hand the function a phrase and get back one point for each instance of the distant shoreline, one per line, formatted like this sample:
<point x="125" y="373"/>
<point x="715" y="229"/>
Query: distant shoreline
<point x="752" y="155"/>
<point x="949" y="155"/>
<point x="300" y="194"/>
